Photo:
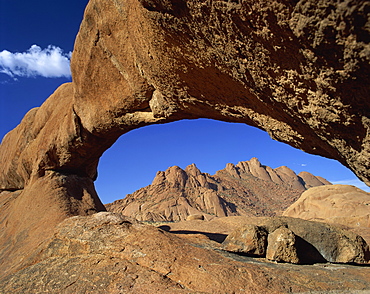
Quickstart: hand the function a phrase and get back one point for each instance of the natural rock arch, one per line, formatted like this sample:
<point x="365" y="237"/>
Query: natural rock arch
<point x="297" y="69"/>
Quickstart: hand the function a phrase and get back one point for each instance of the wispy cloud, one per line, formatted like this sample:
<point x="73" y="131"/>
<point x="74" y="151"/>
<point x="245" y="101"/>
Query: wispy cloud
<point x="50" y="62"/>
<point x="354" y="182"/>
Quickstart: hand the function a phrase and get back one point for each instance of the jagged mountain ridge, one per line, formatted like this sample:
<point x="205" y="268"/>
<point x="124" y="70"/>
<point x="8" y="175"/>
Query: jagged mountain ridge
<point x="248" y="188"/>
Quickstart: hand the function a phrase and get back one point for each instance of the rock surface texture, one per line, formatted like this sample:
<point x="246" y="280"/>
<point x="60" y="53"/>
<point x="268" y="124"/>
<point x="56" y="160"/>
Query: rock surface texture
<point x="297" y="69"/>
<point x="248" y="188"/>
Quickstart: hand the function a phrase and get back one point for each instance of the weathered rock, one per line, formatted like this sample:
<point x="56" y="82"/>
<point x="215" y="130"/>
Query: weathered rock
<point x="342" y="205"/>
<point x="248" y="188"/>
<point x="336" y="204"/>
<point x="282" y="246"/>
<point x="291" y="68"/>
<point x="28" y="217"/>
<point x="110" y="253"/>
<point x="310" y="180"/>
<point x="249" y="239"/>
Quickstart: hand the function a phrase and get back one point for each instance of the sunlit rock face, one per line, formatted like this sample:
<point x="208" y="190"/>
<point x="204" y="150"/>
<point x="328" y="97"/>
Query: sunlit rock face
<point x="297" y="69"/>
<point x="336" y="204"/>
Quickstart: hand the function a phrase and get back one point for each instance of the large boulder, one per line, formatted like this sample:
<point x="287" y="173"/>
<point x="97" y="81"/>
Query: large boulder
<point x="195" y="217"/>
<point x="248" y="239"/>
<point x="298" y="241"/>
<point x="282" y="246"/>
<point x="332" y="243"/>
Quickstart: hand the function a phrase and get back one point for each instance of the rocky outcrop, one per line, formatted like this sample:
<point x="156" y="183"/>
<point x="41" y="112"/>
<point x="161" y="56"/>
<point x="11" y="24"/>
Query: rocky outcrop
<point x="297" y="69"/>
<point x="248" y="188"/>
<point x="336" y="204"/>
<point x="282" y="175"/>
<point x="293" y="240"/>
<point x="342" y="205"/>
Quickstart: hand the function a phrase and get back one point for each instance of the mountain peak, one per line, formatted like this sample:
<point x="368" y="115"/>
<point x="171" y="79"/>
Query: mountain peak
<point x="255" y="161"/>
<point x="193" y="170"/>
<point x="248" y="188"/>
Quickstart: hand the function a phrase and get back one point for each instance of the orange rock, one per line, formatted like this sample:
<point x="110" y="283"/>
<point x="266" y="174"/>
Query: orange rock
<point x="248" y="239"/>
<point x="337" y="204"/>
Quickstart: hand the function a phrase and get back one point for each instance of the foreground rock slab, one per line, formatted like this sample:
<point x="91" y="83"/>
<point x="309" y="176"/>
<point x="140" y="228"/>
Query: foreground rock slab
<point x="108" y="252"/>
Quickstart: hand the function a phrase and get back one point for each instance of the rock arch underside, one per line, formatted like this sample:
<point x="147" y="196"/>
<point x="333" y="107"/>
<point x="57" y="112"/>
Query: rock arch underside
<point x="296" y="69"/>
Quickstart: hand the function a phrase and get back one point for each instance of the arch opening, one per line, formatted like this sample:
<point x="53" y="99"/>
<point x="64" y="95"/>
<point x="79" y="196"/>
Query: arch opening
<point x="135" y="158"/>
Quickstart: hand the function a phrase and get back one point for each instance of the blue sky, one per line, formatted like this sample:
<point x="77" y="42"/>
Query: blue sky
<point x="38" y="33"/>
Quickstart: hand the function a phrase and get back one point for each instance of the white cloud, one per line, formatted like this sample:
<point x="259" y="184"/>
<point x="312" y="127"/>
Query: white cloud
<point x="50" y="62"/>
<point x="353" y="182"/>
<point x="303" y="164"/>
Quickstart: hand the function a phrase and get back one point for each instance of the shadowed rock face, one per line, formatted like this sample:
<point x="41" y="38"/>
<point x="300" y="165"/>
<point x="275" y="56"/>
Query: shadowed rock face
<point x="297" y="69"/>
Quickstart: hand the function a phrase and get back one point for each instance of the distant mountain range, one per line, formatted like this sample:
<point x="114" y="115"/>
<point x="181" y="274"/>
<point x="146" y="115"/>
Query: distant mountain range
<point x="248" y="188"/>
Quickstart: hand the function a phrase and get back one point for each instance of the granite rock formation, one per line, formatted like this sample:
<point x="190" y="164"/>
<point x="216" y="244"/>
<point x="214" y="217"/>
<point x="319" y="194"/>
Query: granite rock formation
<point x="248" y="239"/>
<point x="342" y="205"/>
<point x="297" y="69"/>
<point x="248" y="188"/>
<point x="282" y="246"/>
